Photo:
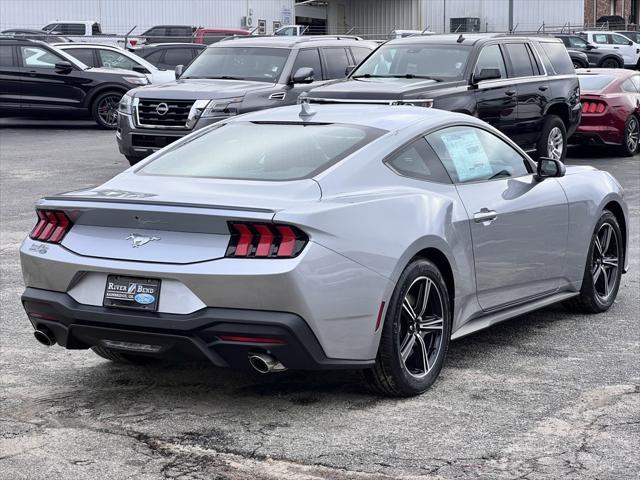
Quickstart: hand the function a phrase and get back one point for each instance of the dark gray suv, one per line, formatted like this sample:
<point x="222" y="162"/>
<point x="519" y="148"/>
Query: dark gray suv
<point x="232" y="77"/>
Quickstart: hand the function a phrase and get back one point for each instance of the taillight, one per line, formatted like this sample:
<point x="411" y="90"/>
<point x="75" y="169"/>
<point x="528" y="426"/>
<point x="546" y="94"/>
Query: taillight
<point x="265" y="240"/>
<point x="593" y="106"/>
<point x="52" y="226"/>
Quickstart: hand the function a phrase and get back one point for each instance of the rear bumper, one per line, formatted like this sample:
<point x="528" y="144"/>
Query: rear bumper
<point x="78" y="326"/>
<point x="598" y="134"/>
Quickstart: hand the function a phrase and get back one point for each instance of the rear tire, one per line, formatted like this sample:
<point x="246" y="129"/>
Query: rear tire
<point x="631" y="140"/>
<point x="415" y="335"/>
<point x="124" y="358"/>
<point x="611" y="63"/>
<point x="601" y="279"/>
<point x="133" y="160"/>
<point x="104" y="109"/>
<point x="553" y="139"/>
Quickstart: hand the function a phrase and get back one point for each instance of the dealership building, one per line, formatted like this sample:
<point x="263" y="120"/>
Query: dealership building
<point x="368" y="18"/>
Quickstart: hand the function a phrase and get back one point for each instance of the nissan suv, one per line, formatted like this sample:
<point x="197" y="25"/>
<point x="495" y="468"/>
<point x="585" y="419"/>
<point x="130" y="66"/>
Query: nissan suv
<point x="228" y="78"/>
<point x="525" y="86"/>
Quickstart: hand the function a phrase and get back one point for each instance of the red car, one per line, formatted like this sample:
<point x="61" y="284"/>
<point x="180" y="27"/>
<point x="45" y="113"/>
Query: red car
<point x="208" y="36"/>
<point x="610" y="108"/>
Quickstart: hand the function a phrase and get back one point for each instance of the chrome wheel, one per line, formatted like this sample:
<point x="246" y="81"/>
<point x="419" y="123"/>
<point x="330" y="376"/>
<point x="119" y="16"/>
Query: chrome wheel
<point x="633" y="134"/>
<point x="555" y="143"/>
<point x="421" y="327"/>
<point x="108" y="109"/>
<point x="605" y="261"/>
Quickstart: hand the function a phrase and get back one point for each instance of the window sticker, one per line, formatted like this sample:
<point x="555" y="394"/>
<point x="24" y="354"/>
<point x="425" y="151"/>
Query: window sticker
<point x="467" y="154"/>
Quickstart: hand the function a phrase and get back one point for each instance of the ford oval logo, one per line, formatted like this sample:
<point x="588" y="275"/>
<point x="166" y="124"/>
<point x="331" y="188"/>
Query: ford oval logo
<point x="162" y="109"/>
<point x="144" y="298"/>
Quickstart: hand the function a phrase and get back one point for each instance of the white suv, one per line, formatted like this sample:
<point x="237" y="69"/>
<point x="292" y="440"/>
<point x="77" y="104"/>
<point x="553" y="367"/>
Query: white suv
<point x="629" y="50"/>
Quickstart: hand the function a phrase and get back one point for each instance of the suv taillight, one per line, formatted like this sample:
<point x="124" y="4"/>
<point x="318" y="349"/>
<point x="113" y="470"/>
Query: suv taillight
<point x="593" y="106"/>
<point x="265" y="240"/>
<point x="52" y="226"/>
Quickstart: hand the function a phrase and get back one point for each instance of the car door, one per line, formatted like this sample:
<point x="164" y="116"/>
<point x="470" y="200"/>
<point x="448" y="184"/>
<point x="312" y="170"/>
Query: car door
<point x="306" y="57"/>
<point x="335" y="62"/>
<point x="10" y="79"/>
<point x="176" y="56"/>
<point x="624" y="47"/>
<point x="87" y="56"/>
<point x="495" y="99"/>
<point x="532" y="90"/>
<point x="519" y="225"/>
<point x="42" y="85"/>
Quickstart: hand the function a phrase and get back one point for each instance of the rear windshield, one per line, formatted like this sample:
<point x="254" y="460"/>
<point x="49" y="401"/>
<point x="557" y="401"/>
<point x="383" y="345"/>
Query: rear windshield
<point x="440" y="62"/>
<point x="594" y="83"/>
<point x="248" y="63"/>
<point x="262" y="151"/>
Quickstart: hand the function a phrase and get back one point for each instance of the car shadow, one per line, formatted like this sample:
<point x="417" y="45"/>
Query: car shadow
<point x="605" y="152"/>
<point x="48" y="123"/>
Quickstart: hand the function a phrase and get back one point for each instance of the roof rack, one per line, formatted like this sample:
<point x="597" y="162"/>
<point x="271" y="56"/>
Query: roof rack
<point x="416" y="102"/>
<point x="292" y="39"/>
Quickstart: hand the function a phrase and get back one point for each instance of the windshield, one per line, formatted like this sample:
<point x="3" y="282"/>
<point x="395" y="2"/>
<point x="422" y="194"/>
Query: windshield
<point x="241" y="63"/>
<point x="440" y="62"/>
<point x="262" y="151"/>
<point x="594" y="83"/>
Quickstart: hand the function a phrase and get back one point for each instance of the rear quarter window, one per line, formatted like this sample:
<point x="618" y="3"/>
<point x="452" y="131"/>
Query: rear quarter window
<point x="559" y="57"/>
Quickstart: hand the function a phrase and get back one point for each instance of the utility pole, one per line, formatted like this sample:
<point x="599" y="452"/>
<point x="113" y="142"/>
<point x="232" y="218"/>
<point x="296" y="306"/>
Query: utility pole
<point x="444" y="16"/>
<point x="510" y="15"/>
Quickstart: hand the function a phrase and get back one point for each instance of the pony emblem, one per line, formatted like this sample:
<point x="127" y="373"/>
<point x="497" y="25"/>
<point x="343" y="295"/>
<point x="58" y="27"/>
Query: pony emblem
<point x="138" y="240"/>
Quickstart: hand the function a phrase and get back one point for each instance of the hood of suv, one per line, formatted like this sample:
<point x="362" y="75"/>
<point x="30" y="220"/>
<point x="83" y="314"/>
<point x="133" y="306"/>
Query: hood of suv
<point x="384" y="88"/>
<point x="196" y="89"/>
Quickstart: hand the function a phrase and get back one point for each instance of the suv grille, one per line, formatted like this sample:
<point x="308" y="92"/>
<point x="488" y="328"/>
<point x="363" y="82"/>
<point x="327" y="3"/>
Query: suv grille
<point x="153" y="112"/>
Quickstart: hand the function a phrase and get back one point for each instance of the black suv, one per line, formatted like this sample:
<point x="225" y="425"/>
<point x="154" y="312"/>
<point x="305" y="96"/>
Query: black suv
<point x="37" y="78"/>
<point x="231" y="77"/>
<point x="169" y="55"/>
<point x="526" y="87"/>
<point x="598" y="57"/>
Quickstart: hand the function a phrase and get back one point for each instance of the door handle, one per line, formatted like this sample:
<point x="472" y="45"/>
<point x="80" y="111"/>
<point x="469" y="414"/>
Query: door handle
<point x="485" y="216"/>
<point x="543" y="88"/>
<point x="510" y="92"/>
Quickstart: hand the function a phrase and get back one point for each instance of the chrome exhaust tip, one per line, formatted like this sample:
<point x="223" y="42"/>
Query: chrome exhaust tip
<point x="44" y="337"/>
<point x="264" y="363"/>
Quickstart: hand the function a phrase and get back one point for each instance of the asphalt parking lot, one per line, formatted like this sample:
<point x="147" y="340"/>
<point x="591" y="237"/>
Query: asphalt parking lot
<point x="547" y="395"/>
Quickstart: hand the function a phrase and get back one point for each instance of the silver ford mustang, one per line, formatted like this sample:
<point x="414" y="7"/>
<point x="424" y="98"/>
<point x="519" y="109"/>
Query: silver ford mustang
<point x="323" y="236"/>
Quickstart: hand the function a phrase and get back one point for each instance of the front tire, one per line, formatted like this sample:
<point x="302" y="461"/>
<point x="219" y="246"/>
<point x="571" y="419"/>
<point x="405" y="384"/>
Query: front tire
<point x="133" y="160"/>
<point x="553" y="139"/>
<point x="631" y="140"/>
<point x="415" y="335"/>
<point x="603" y="268"/>
<point x="104" y="109"/>
<point x="611" y="63"/>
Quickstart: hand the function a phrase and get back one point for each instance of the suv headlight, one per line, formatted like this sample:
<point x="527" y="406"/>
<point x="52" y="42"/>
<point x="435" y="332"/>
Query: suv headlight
<point x="125" y="104"/>
<point x="136" y="80"/>
<point x="224" y="107"/>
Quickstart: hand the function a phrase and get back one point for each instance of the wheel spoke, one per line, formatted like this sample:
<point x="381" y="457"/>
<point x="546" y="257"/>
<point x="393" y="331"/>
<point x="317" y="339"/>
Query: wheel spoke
<point x="606" y="241"/>
<point x="606" y="282"/>
<point x="598" y="245"/>
<point x="407" y="346"/>
<point x="426" y="291"/>
<point x="431" y="323"/>
<point x="425" y="356"/>
<point x="408" y="308"/>
<point x="596" y="274"/>
<point x="611" y="262"/>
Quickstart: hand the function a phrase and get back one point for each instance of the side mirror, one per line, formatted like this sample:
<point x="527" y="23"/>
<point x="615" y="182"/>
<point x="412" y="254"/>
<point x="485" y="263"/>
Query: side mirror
<point x="140" y="69"/>
<point x="630" y="43"/>
<point x="179" y="69"/>
<point x="63" y="67"/>
<point x="590" y="47"/>
<point x="487" y="74"/>
<point x="349" y="69"/>
<point x="550" y="168"/>
<point x="303" y="75"/>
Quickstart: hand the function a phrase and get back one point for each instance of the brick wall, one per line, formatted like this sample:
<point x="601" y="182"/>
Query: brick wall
<point x="603" y="7"/>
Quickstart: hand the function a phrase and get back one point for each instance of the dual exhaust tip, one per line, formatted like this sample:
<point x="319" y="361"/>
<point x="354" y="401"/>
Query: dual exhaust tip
<point x="45" y="337"/>
<point x="265" y="363"/>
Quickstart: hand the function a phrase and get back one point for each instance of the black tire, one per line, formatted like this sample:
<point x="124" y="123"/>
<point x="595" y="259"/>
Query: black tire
<point x="104" y="109"/>
<point x="391" y="374"/>
<point x="553" y="127"/>
<point x="611" y="63"/>
<point x="133" y="160"/>
<point x="125" y="358"/>
<point x="578" y="64"/>
<point x="631" y="140"/>
<point x="590" y="299"/>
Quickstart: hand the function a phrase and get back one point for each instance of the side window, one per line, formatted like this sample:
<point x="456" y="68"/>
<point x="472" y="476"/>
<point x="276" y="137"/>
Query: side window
<point x="629" y="86"/>
<point x="309" y="57"/>
<point x="559" y="57"/>
<point x="71" y="29"/>
<point x="36" y="57"/>
<point x="336" y="61"/>
<point x="95" y="29"/>
<point x="600" y="38"/>
<point x="85" y="55"/>
<point x="50" y="27"/>
<point x="471" y="154"/>
<point x="154" y="57"/>
<point x="212" y="37"/>
<point x="112" y="59"/>
<point x="418" y="160"/>
<point x="636" y="81"/>
<point x="491" y="57"/>
<point x="360" y="53"/>
<point x="619" y="39"/>
<point x="6" y="56"/>
<point x="576" y="42"/>
<point x="520" y="60"/>
<point x="178" y="56"/>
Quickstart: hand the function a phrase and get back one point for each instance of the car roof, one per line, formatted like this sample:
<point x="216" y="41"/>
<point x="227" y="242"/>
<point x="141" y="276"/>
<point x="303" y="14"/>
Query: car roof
<point x="290" y="41"/>
<point x="468" y="39"/>
<point x="26" y="30"/>
<point x="386" y="117"/>
<point x="84" y="44"/>
<point x="615" y="72"/>
<point x="171" y="45"/>
<point x="224" y="30"/>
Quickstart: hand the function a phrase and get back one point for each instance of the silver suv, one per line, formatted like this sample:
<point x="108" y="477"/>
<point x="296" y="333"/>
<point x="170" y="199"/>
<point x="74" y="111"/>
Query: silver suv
<point x="232" y="77"/>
